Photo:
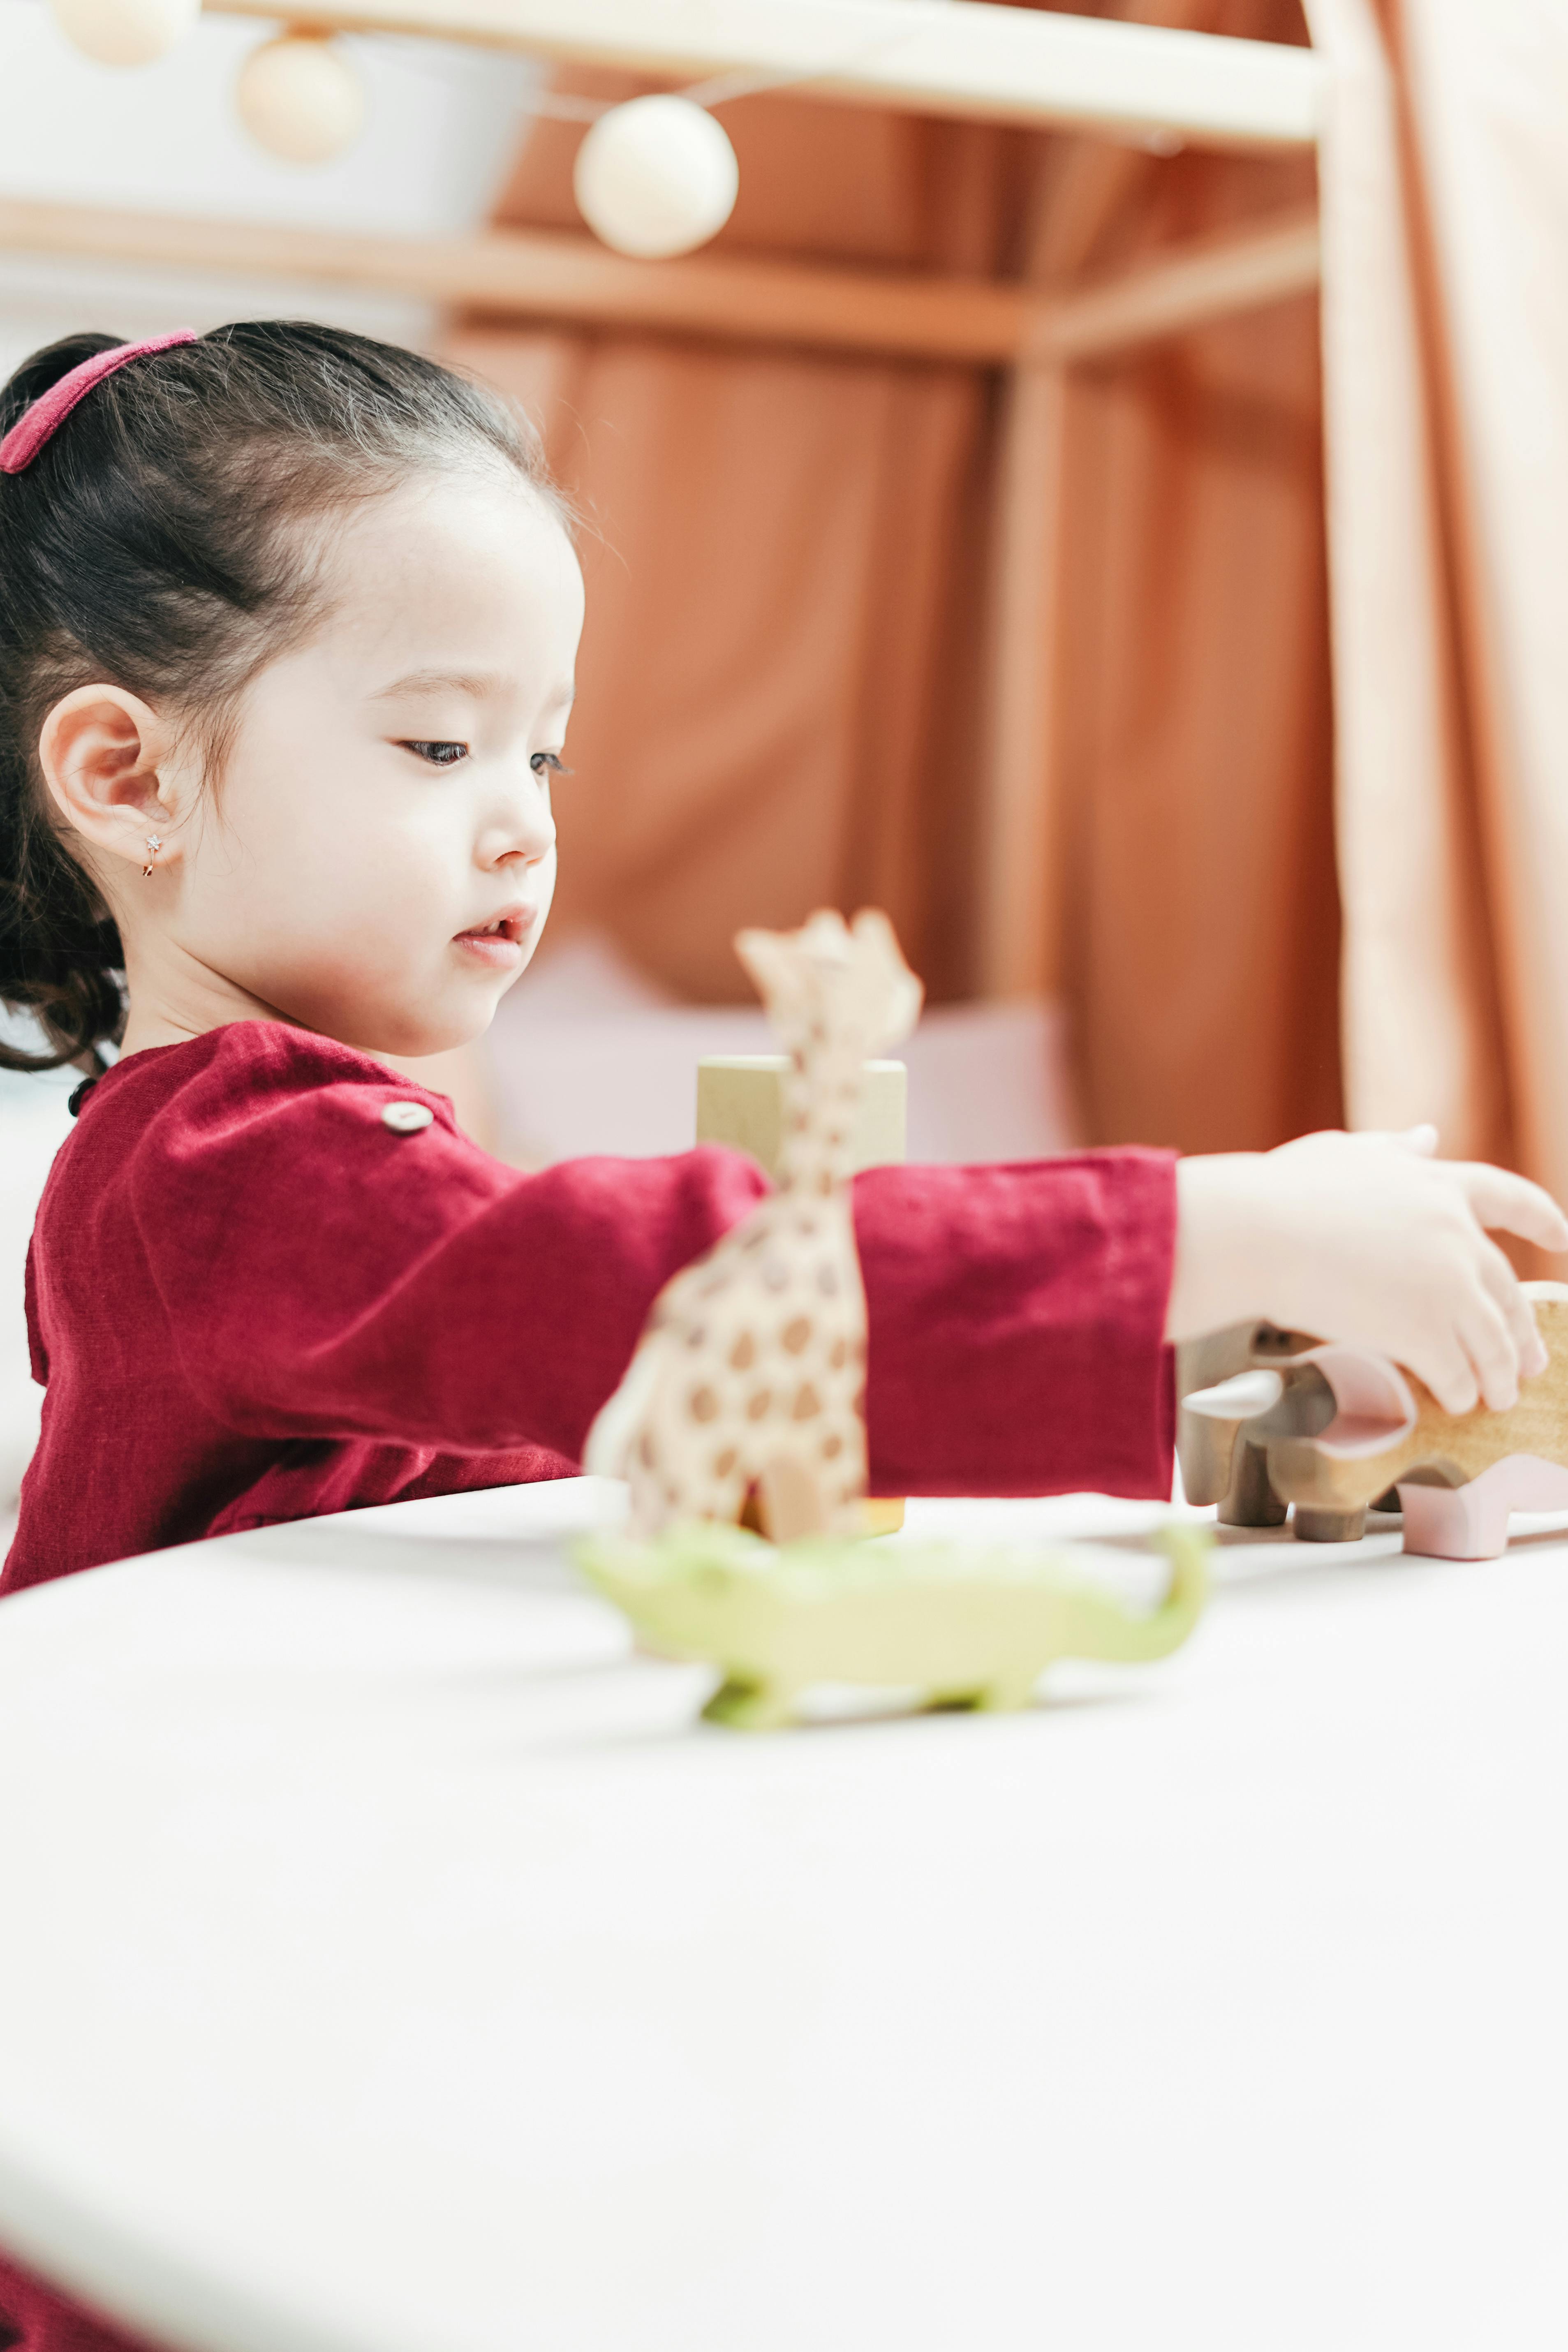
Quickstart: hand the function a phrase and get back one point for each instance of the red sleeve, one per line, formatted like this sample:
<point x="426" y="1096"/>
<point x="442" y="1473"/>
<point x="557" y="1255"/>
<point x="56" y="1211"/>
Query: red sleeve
<point x="1017" y="1321"/>
<point x="326" y="1275"/>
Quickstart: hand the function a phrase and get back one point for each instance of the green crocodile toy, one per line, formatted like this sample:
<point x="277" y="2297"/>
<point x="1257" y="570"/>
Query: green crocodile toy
<point x="970" y="1625"/>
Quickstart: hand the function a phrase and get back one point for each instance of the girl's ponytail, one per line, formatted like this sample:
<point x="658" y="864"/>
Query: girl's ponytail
<point x="161" y="539"/>
<point x="59" y="955"/>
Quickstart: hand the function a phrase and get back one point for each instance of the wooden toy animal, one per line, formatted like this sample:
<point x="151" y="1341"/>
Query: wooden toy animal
<point x="974" y="1627"/>
<point x="1335" y="1427"/>
<point x="1219" y="1464"/>
<point x="748" y="1383"/>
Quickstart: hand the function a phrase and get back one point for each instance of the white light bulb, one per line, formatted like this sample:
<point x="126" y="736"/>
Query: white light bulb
<point x="125" y="32"/>
<point x="655" y="177"/>
<point x="301" y="98"/>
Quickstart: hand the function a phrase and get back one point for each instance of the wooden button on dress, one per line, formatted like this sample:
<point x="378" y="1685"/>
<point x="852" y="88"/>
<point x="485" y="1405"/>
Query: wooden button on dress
<point x="407" y="1118"/>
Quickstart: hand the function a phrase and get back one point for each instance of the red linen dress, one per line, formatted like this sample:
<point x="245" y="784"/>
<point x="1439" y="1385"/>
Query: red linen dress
<point x="251" y="1298"/>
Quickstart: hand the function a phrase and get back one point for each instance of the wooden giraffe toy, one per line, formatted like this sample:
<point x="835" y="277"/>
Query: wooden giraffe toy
<point x="748" y="1383"/>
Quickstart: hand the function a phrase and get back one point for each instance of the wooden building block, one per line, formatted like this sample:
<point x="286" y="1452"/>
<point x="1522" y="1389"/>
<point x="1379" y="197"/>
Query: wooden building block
<point x="740" y="1101"/>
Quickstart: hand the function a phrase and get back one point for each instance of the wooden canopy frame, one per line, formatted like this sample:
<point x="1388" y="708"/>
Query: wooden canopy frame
<point x="966" y="59"/>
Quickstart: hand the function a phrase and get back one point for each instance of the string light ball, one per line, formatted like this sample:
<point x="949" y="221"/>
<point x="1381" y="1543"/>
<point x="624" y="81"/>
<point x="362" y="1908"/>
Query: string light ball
<point x="655" y="177"/>
<point x="125" y="32"/>
<point x="300" y="98"/>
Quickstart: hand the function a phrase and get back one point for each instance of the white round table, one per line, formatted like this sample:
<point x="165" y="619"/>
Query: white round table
<point x="390" y="1963"/>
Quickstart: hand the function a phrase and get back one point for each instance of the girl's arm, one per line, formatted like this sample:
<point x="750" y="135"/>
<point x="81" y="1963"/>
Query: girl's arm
<point x="328" y="1277"/>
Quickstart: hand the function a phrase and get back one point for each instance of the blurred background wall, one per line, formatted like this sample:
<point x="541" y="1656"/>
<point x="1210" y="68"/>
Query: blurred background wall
<point x="1268" y="900"/>
<point x="783" y="681"/>
<point x="783" y="684"/>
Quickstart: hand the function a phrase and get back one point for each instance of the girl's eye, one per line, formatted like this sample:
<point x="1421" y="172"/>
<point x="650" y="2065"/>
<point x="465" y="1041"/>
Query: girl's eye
<point x="440" y="755"/>
<point x="549" y="764"/>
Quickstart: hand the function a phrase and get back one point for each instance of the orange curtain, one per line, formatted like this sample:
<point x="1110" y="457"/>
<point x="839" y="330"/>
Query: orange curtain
<point x="1446" y="216"/>
<point x="782" y="683"/>
<point x="779" y="682"/>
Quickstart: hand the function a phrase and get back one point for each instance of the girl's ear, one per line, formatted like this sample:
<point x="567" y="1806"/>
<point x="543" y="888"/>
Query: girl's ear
<point x="100" y="750"/>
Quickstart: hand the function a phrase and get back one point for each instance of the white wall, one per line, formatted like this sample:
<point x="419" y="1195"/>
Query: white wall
<point x="444" y="125"/>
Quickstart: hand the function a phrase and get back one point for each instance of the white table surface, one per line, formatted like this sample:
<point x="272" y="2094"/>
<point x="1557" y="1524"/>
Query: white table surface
<point x="392" y="1965"/>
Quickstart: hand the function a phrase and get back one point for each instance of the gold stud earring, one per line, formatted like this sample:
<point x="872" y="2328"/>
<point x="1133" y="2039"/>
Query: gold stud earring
<point x="153" y="847"/>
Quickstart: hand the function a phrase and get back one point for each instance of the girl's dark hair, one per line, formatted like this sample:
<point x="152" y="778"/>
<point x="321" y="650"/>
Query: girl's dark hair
<point x="150" y="544"/>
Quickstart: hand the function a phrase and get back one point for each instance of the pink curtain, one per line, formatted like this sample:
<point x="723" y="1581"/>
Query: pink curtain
<point x="1446" y="213"/>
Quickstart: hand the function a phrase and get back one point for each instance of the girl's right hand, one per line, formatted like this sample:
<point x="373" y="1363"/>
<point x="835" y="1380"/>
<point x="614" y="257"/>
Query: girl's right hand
<point x="1368" y="1239"/>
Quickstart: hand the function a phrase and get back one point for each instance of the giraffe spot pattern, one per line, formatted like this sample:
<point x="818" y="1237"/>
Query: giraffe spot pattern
<point x="822" y="1099"/>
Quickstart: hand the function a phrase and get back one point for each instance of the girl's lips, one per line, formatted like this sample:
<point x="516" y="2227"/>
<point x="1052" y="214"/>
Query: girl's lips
<point x="499" y="942"/>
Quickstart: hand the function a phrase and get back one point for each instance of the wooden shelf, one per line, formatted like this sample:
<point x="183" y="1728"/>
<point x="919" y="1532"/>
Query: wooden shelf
<point x="964" y="58"/>
<point x="529" y="274"/>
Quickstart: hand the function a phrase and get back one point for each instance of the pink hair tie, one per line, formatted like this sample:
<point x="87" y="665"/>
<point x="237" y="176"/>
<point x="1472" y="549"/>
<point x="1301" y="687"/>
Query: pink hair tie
<point x="51" y="408"/>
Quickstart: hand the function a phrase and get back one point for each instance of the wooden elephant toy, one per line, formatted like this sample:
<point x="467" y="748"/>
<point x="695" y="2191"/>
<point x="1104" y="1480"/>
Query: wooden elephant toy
<point x="1220" y="1462"/>
<point x="1332" y="1429"/>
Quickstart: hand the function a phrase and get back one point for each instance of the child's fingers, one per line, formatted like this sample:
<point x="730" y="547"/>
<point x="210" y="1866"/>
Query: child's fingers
<point x="1490" y="1345"/>
<point x="1422" y="1140"/>
<point x="1511" y="1205"/>
<point x="1447" y="1372"/>
<point x="1504" y="1285"/>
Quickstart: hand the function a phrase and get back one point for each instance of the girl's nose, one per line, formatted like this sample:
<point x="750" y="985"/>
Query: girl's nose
<point x="526" y="830"/>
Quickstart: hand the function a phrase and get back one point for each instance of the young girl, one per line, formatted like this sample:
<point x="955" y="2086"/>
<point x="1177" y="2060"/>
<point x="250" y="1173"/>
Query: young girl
<point x="287" y="622"/>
